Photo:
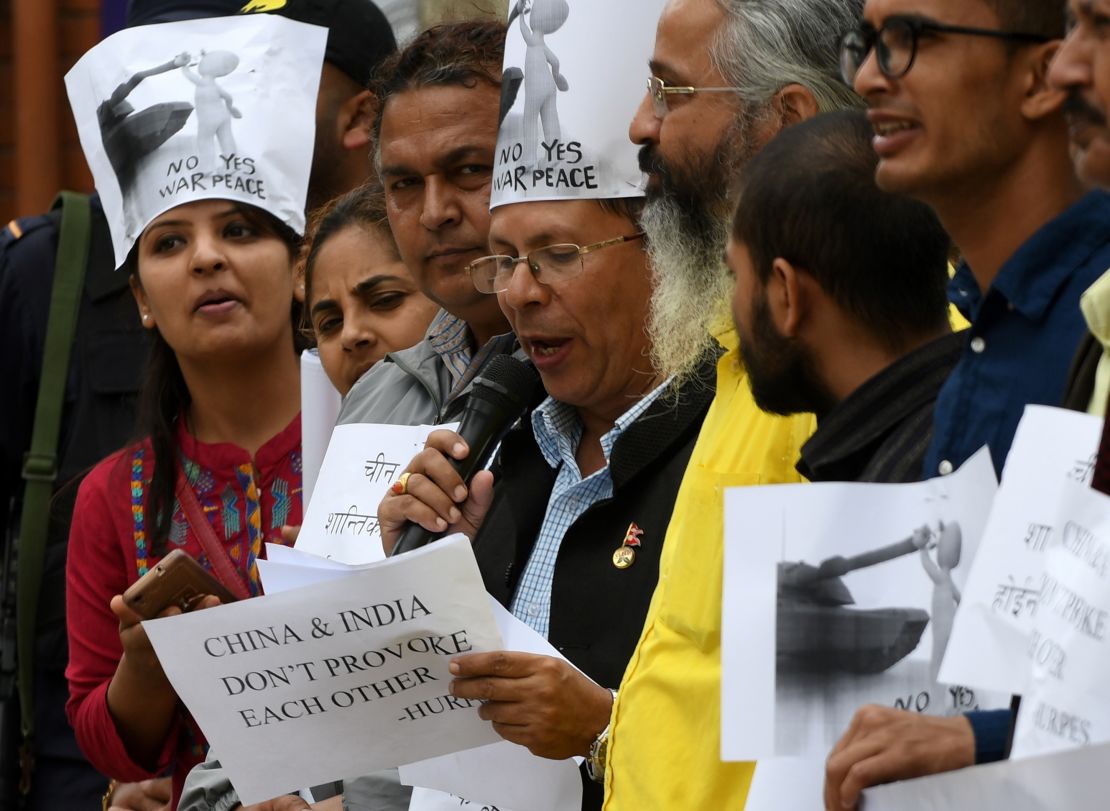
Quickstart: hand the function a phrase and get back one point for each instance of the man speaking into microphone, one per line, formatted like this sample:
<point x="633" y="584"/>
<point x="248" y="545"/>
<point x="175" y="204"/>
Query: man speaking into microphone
<point x="568" y="523"/>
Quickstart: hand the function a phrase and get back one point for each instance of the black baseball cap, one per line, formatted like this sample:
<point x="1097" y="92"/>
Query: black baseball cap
<point x="359" y="35"/>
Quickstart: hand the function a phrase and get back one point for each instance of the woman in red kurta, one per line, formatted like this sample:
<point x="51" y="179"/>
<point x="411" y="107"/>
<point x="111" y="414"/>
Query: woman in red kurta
<point x="214" y="281"/>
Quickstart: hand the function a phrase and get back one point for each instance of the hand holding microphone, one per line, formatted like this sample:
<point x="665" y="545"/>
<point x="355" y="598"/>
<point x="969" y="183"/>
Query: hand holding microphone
<point x="445" y="487"/>
<point x="435" y="497"/>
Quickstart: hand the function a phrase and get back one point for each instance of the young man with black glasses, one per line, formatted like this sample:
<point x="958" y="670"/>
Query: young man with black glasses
<point x="966" y="121"/>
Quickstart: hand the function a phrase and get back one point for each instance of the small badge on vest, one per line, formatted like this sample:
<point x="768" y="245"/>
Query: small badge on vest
<point x="625" y="555"/>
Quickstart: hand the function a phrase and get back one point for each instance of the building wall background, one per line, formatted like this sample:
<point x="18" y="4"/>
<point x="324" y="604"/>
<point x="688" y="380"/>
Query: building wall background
<point x="39" y="41"/>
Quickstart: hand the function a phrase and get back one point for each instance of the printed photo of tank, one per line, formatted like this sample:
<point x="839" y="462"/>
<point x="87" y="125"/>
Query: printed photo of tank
<point x="820" y="631"/>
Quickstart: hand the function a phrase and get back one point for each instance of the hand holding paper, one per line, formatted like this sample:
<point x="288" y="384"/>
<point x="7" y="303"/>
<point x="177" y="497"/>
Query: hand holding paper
<point x="883" y="745"/>
<point x="539" y="702"/>
<point x="361" y="463"/>
<point x="435" y="495"/>
<point x="503" y="775"/>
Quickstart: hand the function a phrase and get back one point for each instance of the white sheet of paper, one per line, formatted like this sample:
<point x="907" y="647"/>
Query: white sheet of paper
<point x="990" y="640"/>
<point x="1067" y="702"/>
<point x="320" y="403"/>
<point x="787" y="784"/>
<point x="162" y="125"/>
<point x="362" y="461"/>
<point x="426" y="799"/>
<point x="795" y="668"/>
<point x="581" y="150"/>
<point x="277" y="553"/>
<point x="503" y="774"/>
<point x="355" y="668"/>
<point x="1076" y="781"/>
<point x="278" y="576"/>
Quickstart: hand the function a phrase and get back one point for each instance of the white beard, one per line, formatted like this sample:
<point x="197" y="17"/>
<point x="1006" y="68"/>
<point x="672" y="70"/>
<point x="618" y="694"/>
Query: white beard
<point x="692" y="286"/>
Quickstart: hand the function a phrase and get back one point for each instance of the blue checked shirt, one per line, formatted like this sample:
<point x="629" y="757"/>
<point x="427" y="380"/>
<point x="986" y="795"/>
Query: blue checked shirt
<point x="558" y="431"/>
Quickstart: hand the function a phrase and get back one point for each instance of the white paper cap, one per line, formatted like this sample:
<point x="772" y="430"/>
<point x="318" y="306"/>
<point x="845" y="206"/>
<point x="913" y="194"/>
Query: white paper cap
<point x="575" y="72"/>
<point x="218" y="108"/>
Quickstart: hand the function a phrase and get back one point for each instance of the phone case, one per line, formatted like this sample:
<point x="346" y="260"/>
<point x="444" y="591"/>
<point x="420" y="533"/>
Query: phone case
<point x="176" y="580"/>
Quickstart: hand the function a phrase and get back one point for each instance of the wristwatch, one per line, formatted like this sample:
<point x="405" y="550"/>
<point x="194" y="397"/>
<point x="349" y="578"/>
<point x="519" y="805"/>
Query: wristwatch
<point x="106" y="800"/>
<point x="595" y="761"/>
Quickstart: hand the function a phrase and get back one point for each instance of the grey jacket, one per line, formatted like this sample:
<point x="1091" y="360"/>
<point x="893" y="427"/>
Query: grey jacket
<point x="208" y="789"/>
<point x="414" y="386"/>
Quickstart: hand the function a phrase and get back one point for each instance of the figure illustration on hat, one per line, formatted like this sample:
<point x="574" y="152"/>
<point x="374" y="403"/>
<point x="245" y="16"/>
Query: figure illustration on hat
<point x="542" y="79"/>
<point x="130" y="136"/>
<point x="215" y="108"/>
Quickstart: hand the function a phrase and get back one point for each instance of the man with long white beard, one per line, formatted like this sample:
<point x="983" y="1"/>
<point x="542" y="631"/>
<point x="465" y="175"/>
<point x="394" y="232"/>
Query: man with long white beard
<point x="726" y="76"/>
<point x="695" y="139"/>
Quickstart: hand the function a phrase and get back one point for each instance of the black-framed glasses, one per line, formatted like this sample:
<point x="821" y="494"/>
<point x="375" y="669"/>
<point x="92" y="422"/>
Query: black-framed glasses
<point x="895" y="44"/>
<point x="660" y="92"/>
<point x="492" y="274"/>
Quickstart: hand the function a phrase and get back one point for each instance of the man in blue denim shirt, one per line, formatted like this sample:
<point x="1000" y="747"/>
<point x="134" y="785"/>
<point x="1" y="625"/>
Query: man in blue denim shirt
<point x="966" y="121"/>
<point x="1024" y="331"/>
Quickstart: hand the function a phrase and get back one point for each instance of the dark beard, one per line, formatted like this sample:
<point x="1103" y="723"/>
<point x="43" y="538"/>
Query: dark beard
<point x="700" y="192"/>
<point x="782" y="373"/>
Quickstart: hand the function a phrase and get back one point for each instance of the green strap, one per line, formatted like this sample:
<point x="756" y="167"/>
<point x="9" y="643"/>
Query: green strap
<point x="40" y="468"/>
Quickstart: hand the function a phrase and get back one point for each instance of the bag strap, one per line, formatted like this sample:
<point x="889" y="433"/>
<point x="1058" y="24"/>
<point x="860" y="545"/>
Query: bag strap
<point x="40" y="466"/>
<point x="222" y="566"/>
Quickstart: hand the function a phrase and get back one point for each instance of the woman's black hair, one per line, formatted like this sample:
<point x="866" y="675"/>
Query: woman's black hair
<point x="165" y="397"/>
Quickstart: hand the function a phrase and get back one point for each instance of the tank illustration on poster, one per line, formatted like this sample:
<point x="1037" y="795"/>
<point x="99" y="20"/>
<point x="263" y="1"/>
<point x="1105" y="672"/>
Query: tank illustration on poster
<point x="817" y="630"/>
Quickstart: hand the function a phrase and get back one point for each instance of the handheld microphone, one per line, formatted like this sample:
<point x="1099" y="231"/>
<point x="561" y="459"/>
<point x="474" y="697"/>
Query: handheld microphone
<point x="499" y="396"/>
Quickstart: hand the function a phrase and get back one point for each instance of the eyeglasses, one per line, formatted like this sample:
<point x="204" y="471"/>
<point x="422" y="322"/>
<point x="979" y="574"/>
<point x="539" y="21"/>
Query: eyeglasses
<point x="492" y="274"/>
<point x="659" y="92"/>
<point x="895" y="44"/>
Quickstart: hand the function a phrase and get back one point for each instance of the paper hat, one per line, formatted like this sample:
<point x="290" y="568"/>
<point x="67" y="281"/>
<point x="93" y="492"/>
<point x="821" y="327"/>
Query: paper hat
<point x="219" y="108"/>
<point x="359" y="35"/>
<point x="575" y="72"/>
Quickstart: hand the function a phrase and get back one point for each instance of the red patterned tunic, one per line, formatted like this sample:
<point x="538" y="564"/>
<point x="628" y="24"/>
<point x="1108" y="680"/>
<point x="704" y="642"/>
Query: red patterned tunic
<point x="246" y="502"/>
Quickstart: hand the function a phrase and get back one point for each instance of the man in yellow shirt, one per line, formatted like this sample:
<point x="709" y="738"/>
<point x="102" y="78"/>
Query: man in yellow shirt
<point x="725" y="79"/>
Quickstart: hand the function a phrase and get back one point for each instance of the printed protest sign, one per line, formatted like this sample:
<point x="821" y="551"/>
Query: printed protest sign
<point x="361" y="462"/>
<point x="184" y="111"/>
<point x="1077" y="781"/>
<point x="502" y="775"/>
<point x="575" y="72"/>
<point x="991" y="646"/>
<point x="840" y="595"/>
<point x="353" y="671"/>
<point x="1067" y="701"/>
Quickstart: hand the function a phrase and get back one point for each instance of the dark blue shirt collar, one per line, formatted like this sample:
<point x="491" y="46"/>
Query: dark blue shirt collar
<point x="1031" y="279"/>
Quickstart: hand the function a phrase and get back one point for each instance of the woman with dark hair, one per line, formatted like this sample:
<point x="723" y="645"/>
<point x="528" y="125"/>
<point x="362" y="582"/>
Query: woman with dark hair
<point x="216" y="474"/>
<point x="361" y="300"/>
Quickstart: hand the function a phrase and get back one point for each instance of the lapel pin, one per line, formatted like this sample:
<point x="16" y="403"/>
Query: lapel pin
<point x="625" y="555"/>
